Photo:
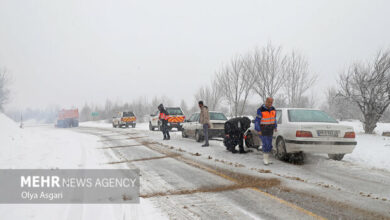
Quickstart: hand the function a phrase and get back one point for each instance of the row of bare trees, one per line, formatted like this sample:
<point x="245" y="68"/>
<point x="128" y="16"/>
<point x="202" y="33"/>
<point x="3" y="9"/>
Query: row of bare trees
<point x="141" y="107"/>
<point x="363" y="90"/>
<point x="266" y="72"/>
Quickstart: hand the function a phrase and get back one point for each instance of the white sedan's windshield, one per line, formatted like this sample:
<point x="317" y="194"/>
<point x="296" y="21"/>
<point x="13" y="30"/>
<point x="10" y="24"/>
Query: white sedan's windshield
<point x="217" y="116"/>
<point x="302" y="115"/>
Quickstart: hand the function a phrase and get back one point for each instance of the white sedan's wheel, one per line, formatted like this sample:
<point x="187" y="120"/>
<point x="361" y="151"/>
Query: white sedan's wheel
<point x="151" y="126"/>
<point x="249" y="141"/>
<point x="280" y="150"/>
<point x="183" y="133"/>
<point x="336" y="156"/>
<point x="198" y="137"/>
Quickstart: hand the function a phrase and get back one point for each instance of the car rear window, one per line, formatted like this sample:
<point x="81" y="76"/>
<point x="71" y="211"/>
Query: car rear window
<point x="174" y="111"/>
<point x="217" y="116"/>
<point x="128" y="114"/>
<point x="303" y="115"/>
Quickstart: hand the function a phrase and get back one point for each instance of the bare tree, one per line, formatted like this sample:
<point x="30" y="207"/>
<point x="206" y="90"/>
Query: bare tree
<point x="211" y="95"/>
<point x="339" y="107"/>
<point x="297" y="79"/>
<point x="4" y="91"/>
<point x="184" y="107"/>
<point x="268" y="66"/>
<point x="204" y="94"/>
<point x="235" y="84"/>
<point x="368" y="85"/>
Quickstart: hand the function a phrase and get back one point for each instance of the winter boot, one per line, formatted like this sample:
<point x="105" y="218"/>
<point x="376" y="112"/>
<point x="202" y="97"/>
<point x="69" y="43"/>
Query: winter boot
<point x="266" y="159"/>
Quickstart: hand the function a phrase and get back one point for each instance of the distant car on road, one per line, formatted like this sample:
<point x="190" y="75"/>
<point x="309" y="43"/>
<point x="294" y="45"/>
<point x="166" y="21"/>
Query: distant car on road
<point x="176" y="118"/>
<point x="124" y="119"/>
<point x="307" y="130"/>
<point x="192" y="127"/>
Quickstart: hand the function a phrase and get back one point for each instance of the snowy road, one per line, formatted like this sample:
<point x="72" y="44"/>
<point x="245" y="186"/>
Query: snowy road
<point x="186" y="181"/>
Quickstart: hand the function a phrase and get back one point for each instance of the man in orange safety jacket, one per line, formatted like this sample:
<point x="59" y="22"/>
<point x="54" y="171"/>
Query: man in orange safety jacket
<point x="265" y="125"/>
<point x="164" y="122"/>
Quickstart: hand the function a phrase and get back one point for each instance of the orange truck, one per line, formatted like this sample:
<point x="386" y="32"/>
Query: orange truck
<point x="68" y="118"/>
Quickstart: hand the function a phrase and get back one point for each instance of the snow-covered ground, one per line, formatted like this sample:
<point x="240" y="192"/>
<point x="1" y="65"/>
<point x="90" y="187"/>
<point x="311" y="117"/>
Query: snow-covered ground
<point x="332" y="180"/>
<point x="44" y="147"/>
<point x="372" y="151"/>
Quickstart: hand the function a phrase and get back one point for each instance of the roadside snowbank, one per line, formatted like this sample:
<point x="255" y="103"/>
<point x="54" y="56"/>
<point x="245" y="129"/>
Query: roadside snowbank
<point x="372" y="150"/>
<point x="45" y="147"/>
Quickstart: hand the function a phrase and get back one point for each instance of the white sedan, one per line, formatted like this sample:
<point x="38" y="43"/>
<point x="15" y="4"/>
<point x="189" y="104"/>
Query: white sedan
<point x="307" y="130"/>
<point x="192" y="127"/>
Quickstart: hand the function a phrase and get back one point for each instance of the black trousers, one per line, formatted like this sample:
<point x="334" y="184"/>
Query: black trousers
<point x="165" y="129"/>
<point x="233" y="141"/>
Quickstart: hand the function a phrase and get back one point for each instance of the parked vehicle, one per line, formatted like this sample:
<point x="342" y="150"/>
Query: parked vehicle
<point x="192" y="127"/>
<point x="175" y="119"/>
<point x="124" y="119"/>
<point x="303" y="130"/>
<point x="67" y="118"/>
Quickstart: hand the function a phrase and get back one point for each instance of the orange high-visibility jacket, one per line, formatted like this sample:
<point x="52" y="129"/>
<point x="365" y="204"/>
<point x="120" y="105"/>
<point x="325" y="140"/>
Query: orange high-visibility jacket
<point x="265" y="117"/>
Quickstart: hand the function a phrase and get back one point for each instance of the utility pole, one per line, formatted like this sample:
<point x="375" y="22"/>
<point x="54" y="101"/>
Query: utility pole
<point x="21" y="120"/>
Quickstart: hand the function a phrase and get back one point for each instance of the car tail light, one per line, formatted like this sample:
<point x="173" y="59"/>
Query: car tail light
<point x="349" y="135"/>
<point x="304" y="134"/>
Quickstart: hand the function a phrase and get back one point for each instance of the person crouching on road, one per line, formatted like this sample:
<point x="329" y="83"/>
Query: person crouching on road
<point x="234" y="133"/>
<point x="265" y="125"/>
<point x="164" y="122"/>
<point x="204" y="119"/>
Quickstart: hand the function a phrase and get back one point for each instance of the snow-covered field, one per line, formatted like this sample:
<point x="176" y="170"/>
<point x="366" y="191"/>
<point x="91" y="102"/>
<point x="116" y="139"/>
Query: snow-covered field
<point x="43" y="147"/>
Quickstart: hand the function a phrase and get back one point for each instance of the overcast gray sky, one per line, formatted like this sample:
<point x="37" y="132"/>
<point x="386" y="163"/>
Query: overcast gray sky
<point x="71" y="51"/>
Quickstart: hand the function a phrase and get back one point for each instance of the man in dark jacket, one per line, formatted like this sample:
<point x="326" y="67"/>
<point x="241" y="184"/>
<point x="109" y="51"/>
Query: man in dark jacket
<point x="234" y="133"/>
<point x="265" y="125"/>
<point x="164" y="122"/>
